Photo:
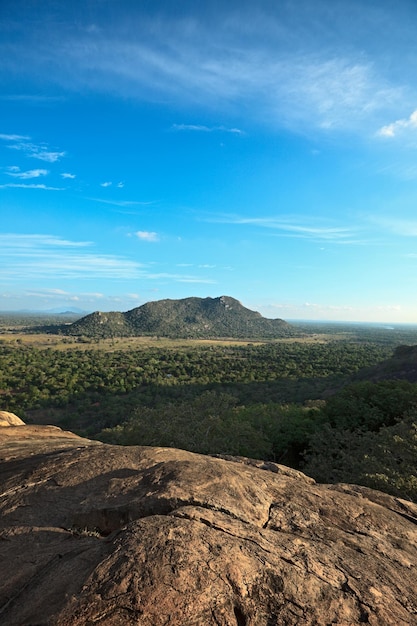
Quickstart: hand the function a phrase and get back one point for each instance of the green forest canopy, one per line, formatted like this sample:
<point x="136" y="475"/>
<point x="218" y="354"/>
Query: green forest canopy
<point x="305" y="404"/>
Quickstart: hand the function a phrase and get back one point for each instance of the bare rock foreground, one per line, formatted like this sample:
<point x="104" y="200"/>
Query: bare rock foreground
<point x="93" y="534"/>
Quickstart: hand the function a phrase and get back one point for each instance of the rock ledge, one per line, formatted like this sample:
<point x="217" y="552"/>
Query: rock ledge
<point x="98" y="534"/>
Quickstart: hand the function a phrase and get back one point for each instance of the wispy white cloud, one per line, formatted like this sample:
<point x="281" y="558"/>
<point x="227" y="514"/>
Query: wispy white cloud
<point x="106" y="184"/>
<point x="292" y="227"/>
<point x="46" y="155"/>
<point x="26" y="257"/>
<point x="17" y="173"/>
<point x="45" y="298"/>
<point x="396" y="226"/>
<point x="341" y="93"/>
<point x="289" y="89"/>
<point x="397" y="127"/>
<point x="56" y="292"/>
<point x="54" y="296"/>
<point x="145" y="235"/>
<point x="68" y="175"/>
<point x="12" y="241"/>
<point x="123" y="203"/>
<point x="298" y="74"/>
<point x="120" y="185"/>
<point x="13" y="137"/>
<point x="31" y="186"/>
<point x="206" y="129"/>
<point x="49" y="257"/>
<point x="36" y="151"/>
<point x="195" y="280"/>
<point x="50" y="294"/>
<point x="180" y="278"/>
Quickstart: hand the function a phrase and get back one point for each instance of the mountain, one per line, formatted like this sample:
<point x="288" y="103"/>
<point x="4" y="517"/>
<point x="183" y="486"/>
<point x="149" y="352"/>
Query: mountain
<point x="186" y="318"/>
<point x="99" y="534"/>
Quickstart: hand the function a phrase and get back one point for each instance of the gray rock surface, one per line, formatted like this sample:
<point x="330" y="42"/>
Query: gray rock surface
<point x="93" y="534"/>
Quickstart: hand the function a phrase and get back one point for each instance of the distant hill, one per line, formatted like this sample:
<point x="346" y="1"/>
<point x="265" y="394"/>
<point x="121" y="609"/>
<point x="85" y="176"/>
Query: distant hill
<point x="186" y="318"/>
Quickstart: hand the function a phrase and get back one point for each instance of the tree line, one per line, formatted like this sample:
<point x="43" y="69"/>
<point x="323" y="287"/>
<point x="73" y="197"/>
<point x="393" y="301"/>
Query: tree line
<point x="294" y="403"/>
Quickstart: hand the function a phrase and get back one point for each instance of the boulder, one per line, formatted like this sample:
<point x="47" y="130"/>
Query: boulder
<point x="10" y="419"/>
<point x="121" y="536"/>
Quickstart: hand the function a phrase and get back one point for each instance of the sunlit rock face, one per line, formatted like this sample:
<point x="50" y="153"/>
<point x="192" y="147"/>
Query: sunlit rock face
<point x="99" y="534"/>
<point x="10" y="419"/>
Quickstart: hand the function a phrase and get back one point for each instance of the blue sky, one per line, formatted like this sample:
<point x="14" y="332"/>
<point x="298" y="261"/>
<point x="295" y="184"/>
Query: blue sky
<point x="265" y="150"/>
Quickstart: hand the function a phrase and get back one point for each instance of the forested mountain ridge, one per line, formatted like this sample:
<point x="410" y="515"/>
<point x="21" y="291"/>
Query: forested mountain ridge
<point x="186" y="318"/>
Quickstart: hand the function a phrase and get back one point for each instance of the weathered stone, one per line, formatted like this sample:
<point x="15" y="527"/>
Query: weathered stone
<point x="10" y="419"/>
<point x="99" y="534"/>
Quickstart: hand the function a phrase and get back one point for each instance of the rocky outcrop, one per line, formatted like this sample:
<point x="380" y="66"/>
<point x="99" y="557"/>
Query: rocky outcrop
<point x="108" y="535"/>
<point x="10" y="419"/>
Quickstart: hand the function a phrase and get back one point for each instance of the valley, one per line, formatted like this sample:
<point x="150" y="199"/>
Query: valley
<point x="327" y="400"/>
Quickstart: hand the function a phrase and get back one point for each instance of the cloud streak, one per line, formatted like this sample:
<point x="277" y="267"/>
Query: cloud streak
<point x="16" y="173"/>
<point x="180" y="278"/>
<point x="36" y="151"/>
<point x="48" y="257"/>
<point x="123" y="203"/>
<point x="43" y="256"/>
<point x="13" y="137"/>
<point x="205" y="129"/>
<point x="31" y="186"/>
<point x="17" y="242"/>
<point x="292" y="228"/>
